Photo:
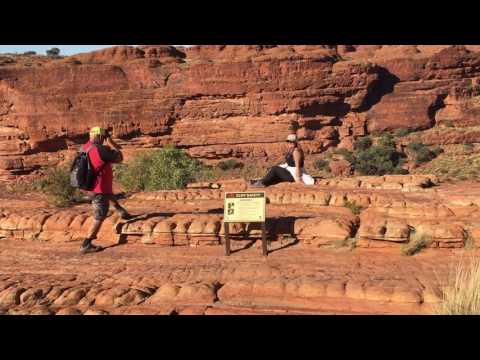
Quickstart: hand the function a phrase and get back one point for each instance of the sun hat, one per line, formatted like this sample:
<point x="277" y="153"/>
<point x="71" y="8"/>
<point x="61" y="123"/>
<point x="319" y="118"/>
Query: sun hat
<point x="292" y="138"/>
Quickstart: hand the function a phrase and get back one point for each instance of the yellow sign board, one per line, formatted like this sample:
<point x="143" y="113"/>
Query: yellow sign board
<point x="244" y="207"/>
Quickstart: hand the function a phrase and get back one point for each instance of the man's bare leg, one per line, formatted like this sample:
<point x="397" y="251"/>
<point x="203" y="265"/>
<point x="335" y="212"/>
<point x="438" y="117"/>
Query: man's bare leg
<point x="92" y="235"/>
<point x="100" y="206"/>
<point x="87" y="245"/>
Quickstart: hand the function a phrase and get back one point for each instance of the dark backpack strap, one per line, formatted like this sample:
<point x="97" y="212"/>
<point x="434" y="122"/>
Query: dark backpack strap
<point x="102" y="167"/>
<point x="88" y="151"/>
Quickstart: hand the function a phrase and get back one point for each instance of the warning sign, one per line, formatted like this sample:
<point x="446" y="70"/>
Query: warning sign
<point x="244" y="207"/>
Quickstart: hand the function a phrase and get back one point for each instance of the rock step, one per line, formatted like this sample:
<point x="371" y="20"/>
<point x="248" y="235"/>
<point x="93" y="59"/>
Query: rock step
<point x="318" y="226"/>
<point x="209" y="297"/>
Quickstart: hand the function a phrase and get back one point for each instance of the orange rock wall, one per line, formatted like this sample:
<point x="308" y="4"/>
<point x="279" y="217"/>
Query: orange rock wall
<point x="231" y="101"/>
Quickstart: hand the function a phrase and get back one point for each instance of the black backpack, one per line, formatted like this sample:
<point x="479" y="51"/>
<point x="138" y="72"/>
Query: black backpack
<point x="82" y="173"/>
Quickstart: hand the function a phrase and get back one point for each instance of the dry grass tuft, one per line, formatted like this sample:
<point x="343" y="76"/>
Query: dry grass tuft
<point x="462" y="294"/>
<point x="418" y="241"/>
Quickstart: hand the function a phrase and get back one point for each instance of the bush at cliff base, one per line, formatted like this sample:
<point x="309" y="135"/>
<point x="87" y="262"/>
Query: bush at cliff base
<point x="56" y="185"/>
<point x="380" y="159"/>
<point x="423" y="153"/>
<point x="165" y="169"/>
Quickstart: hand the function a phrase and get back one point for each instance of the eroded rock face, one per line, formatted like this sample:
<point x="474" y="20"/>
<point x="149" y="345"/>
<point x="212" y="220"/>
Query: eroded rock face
<point x="213" y="99"/>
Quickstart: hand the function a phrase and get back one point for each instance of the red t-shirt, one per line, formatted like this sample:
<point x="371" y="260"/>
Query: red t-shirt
<point x="101" y="158"/>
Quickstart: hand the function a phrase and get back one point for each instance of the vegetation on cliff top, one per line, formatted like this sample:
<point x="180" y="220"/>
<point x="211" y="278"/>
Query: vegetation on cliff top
<point x="453" y="166"/>
<point x="379" y="154"/>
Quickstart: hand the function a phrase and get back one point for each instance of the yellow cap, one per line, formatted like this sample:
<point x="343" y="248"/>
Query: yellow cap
<point x="97" y="130"/>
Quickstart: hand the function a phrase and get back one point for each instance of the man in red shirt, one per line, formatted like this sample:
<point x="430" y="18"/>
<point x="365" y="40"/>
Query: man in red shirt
<point x="101" y="158"/>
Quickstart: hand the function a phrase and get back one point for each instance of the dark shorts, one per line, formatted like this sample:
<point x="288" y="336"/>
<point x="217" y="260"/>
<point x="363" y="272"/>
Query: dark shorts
<point x="100" y="204"/>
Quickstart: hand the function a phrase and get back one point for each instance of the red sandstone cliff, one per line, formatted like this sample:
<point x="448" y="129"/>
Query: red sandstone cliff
<point x="232" y="101"/>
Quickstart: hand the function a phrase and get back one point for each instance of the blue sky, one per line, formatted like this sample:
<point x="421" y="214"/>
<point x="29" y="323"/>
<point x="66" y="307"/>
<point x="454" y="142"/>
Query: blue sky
<point x="40" y="49"/>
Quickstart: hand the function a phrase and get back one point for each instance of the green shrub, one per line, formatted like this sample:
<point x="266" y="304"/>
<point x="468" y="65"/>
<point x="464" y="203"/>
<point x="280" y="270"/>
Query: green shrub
<point x="378" y="160"/>
<point x="363" y="143"/>
<point x="422" y="153"/>
<point x="354" y="208"/>
<point x="415" y="146"/>
<point x="387" y="140"/>
<point x="401" y="132"/>
<point x="56" y="185"/>
<point x="321" y="165"/>
<point x="29" y="53"/>
<point x="229" y="164"/>
<point x="166" y="169"/>
<point x="425" y="156"/>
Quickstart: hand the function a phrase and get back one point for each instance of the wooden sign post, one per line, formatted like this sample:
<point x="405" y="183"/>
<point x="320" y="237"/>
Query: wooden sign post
<point x="245" y="207"/>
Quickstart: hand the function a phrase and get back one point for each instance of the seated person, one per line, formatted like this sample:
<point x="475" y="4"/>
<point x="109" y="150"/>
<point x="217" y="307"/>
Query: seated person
<point x="291" y="171"/>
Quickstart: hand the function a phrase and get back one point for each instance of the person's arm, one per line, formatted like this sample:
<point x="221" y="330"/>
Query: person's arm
<point x="298" y="157"/>
<point x="112" y="143"/>
<point x="109" y="155"/>
<point x="116" y="148"/>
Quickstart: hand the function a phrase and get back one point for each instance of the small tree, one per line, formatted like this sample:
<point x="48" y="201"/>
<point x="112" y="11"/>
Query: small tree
<point x="53" y="52"/>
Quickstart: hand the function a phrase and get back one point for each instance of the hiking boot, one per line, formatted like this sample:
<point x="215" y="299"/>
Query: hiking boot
<point x="90" y="248"/>
<point x="258" y="184"/>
